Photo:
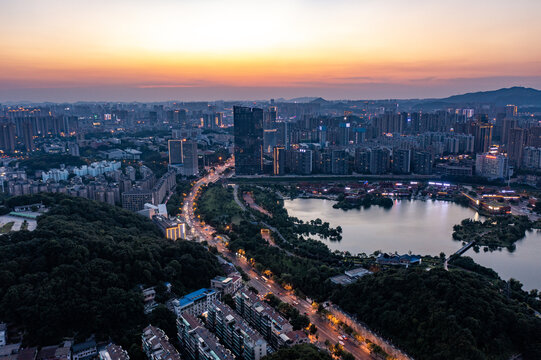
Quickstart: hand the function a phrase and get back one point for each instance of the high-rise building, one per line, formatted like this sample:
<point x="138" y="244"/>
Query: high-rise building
<point x="422" y="162"/>
<point x="534" y="136"/>
<point x="531" y="158"/>
<point x="380" y="159"/>
<point x="483" y="136"/>
<point x="7" y="137"/>
<point x="269" y="118"/>
<point x="248" y="140"/>
<point x="491" y="166"/>
<point x="269" y="139"/>
<point x="402" y="161"/>
<point x="339" y="160"/>
<point x="511" y="111"/>
<point x="282" y="134"/>
<point x="190" y="158"/>
<point x="299" y="161"/>
<point x="175" y="152"/>
<point x="508" y="124"/>
<point x="279" y="160"/>
<point x="183" y="154"/>
<point x="28" y="135"/>
<point x="135" y="200"/>
<point x="362" y="161"/>
<point x="517" y="140"/>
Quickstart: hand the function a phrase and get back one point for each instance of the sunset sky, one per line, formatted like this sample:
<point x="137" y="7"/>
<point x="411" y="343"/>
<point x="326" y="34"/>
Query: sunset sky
<point x="123" y="50"/>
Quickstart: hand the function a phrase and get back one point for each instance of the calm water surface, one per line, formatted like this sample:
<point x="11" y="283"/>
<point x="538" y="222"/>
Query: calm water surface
<point x="422" y="227"/>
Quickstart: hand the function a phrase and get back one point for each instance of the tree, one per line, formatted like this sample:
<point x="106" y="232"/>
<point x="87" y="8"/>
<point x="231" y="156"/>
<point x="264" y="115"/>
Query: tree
<point x="163" y="318"/>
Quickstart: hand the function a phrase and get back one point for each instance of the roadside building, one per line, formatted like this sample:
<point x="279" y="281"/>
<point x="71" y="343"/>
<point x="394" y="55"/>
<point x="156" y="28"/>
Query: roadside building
<point x="226" y="285"/>
<point x="263" y="318"/>
<point x="197" y="342"/>
<point x="235" y="332"/>
<point x="194" y="303"/>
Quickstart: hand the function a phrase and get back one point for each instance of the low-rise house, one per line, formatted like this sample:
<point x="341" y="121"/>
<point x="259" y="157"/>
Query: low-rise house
<point x="226" y="285"/>
<point x="3" y="334"/>
<point x="404" y="260"/>
<point x="156" y="345"/>
<point x="297" y="337"/>
<point x="28" y="354"/>
<point x="113" y="352"/>
<point x="84" y="351"/>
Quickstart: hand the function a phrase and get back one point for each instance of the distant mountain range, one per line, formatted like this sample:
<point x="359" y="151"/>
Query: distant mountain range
<point x="520" y="96"/>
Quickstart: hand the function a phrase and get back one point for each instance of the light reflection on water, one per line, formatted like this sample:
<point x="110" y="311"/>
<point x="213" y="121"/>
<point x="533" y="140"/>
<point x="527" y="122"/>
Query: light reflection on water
<point x="422" y="227"/>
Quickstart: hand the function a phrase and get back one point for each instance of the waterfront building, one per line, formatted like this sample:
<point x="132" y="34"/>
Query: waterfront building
<point x="402" y="161"/>
<point x="404" y="260"/>
<point x="362" y="161"/>
<point x="339" y="161"/>
<point x="491" y="166"/>
<point x="380" y="159"/>
<point x="422" y="162"/>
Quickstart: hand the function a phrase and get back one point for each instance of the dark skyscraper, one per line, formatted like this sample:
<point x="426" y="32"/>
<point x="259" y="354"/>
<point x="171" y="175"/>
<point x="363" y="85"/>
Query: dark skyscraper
<point x="28" y="135"/>
<point x="483" y="137"/>
<point x="402" y="161"/>
<point x="248" y="140"/>
<point x="517" y="140"/>
<point x="7" y="137"/>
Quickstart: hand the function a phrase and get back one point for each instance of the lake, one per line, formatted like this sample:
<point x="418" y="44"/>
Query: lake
<point x="422" y="227"/>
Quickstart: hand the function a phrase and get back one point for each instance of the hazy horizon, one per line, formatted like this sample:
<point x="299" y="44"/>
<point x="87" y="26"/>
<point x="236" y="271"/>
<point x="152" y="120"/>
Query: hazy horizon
<point x="136" y="50"/>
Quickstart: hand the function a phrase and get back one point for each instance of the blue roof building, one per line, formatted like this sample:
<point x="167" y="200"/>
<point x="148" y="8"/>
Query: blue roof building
<point x="195" y="303"/>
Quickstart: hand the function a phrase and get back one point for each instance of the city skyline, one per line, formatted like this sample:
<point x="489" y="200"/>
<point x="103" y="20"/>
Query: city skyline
<point x="136" y="51"/>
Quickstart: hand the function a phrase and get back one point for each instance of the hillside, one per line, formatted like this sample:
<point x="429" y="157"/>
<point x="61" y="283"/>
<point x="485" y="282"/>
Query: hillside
<point x="78" y="273"/>
<point x="519" y="96"/>
<point x="444" y="314"/>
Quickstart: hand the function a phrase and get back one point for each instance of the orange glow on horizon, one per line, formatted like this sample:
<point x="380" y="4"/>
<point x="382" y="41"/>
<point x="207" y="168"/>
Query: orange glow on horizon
<point x="241" y="43"/>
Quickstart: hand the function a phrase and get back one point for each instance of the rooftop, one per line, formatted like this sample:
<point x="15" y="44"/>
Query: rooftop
<point x="194" y="296"/>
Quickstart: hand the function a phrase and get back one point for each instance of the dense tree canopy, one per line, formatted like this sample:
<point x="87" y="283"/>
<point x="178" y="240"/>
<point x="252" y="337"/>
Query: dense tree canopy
<point x="444" y="314"/>
<point x="46" y="162"/>
<point x="79" y="272"/>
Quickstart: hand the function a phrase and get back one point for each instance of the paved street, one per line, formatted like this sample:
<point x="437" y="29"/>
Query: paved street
<point x="326" y="331"/>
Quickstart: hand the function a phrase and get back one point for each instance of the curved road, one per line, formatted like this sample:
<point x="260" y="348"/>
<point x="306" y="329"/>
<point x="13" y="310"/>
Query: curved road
<point x="204" y="233"/>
